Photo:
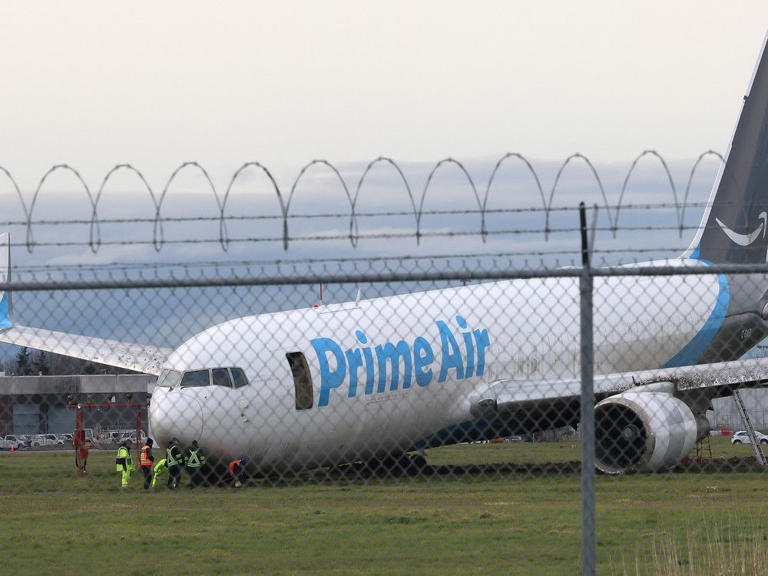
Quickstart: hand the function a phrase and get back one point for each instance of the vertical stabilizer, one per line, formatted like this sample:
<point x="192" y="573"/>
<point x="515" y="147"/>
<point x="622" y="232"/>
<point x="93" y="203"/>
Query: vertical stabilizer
<point x="5" y="276"/>
<point x="733" y="229"/>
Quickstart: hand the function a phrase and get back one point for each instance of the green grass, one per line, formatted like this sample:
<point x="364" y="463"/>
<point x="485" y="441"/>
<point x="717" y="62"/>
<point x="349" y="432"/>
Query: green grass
<point x="491" y="522"/>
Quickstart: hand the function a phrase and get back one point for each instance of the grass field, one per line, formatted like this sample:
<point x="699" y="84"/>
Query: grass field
<point x="475" y="517"/>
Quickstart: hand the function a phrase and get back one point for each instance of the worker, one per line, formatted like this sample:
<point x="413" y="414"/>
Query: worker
<point x="146" y="461"/>
<point x="175" y="461"/>
<point x="124" y="462"/>
<point x="160" y="468"/>
<point x="195" y="459"/>
<point x="236" y="470"/>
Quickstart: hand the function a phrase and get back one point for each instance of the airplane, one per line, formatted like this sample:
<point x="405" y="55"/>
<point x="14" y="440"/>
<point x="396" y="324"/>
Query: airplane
<point x="373" y="380"/>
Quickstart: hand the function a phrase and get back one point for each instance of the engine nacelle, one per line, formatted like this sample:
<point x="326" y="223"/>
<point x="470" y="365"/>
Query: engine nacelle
<point x="644" y="431"/>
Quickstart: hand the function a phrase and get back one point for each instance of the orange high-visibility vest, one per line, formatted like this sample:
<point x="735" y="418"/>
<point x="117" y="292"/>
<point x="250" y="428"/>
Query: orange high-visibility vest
<point x="144" y="459"/>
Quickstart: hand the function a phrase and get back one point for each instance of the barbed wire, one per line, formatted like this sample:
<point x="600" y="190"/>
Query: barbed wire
<point x="417" y="208"/>
<point x="507" y="260"/>
<point x="371" y="236"/>
<point x="331" y="215"/>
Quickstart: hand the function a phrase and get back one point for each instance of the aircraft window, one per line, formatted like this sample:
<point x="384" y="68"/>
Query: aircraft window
<point x="195" y="378"/>
<point x="302" y="380"/>
<point x="220" y="377"/>
<point x="168" y="379"/>
<point x="238" y="377"/>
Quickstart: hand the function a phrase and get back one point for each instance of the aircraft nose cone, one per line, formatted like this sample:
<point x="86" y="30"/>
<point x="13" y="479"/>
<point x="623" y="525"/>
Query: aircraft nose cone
<point x="177" y="414"/>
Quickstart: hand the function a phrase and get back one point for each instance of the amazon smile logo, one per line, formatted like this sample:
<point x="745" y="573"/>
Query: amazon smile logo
<point x="746" y="239"/>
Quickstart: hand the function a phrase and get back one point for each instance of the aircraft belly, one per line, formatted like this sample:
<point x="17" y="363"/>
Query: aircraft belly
<point x="360" y="429"/>
<point x="393" y="424"/>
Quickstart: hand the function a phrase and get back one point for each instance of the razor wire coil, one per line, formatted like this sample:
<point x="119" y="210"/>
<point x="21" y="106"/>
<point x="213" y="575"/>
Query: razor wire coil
<point x="417" y="209"/>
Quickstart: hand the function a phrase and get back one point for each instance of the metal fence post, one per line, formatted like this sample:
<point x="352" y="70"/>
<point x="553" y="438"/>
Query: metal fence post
<point x="587" y="420"/>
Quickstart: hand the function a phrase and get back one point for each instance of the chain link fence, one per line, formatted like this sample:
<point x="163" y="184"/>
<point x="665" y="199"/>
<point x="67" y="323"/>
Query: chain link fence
<point x="419" y="373"/>
<point x="382" y="372"/>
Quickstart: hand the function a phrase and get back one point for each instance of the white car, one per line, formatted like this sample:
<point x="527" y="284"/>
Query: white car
<point x="741" y="437"/>
<point x="53" y="439"/>
<point x="38" y="440"/>
<point x="11" y="440"/>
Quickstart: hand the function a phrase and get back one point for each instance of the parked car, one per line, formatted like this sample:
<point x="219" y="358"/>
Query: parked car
<point x="143" y="438"/>
<point x="46" y="440"/>
<point x="51" y="439"/>
<point x="38" y="440"/>
<point x="11" y="440"/>
<point x="741" y="437"/>
<point x="130" y="436"/>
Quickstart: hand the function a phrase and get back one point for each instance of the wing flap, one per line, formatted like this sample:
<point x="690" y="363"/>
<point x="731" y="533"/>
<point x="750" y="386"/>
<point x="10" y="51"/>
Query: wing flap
<point x="138" y="357"/>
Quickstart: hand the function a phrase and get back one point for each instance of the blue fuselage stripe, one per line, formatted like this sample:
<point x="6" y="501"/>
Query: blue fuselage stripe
<point x="5" y="316"/>
<point x="692" y="351"/>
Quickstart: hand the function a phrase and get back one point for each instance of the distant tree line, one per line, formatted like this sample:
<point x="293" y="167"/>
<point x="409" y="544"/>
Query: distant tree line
<point x="40" y="363"/>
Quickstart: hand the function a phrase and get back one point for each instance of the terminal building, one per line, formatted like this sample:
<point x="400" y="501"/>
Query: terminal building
<point x="40" y="404"/>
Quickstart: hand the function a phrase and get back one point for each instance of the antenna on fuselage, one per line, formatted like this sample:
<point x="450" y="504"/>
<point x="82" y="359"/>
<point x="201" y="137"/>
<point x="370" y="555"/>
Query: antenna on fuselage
<point x="320" y="303"/>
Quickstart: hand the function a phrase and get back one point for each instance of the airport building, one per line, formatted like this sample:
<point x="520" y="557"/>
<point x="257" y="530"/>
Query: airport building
<point x="39" y="404"/>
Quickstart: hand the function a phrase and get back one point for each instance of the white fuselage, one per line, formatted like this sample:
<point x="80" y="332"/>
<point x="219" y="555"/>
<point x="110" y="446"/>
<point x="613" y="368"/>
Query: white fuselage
<point x="446" y="344"/>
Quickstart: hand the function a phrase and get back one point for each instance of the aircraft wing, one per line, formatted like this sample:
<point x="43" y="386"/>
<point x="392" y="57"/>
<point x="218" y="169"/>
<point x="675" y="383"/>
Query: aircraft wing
<point x="137" y="357"/>
<point x="718" y="379"/>
<point x="147" y="359"/>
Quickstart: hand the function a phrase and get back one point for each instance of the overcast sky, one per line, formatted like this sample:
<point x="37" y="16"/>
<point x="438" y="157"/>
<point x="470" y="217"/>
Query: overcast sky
<point x="95" y="84"/>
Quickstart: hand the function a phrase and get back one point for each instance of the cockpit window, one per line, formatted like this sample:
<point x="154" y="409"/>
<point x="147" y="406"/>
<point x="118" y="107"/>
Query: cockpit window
<point x="238" y="377"/>
<point x="226" y="377"/>
<point x="195" y="378"/>
<point x="168" y="379"/>
<point x="220" y="377"/>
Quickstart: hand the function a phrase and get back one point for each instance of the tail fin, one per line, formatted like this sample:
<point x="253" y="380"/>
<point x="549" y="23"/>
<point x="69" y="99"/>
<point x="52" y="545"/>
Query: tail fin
<point x="733" y="229"/>
<point x="5" y="276"/>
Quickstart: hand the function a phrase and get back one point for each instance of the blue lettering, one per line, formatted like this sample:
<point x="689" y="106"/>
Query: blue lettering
<point x="422" y="358"/>
<point x="368" y="371"/>
<point x="394" y="353"/>
<point x="329" y="379"/>
<point x="469" y="345"/>
<point x="368" y="355"/>
<point x="416" y="360"/>
<point x="481" y="337"/>
<point x="354" y="361"/>
<point x="451" y="355"/>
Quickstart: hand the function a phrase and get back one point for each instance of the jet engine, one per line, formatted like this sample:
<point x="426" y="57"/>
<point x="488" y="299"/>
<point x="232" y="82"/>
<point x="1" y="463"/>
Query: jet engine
<point x="645" y="430"/>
